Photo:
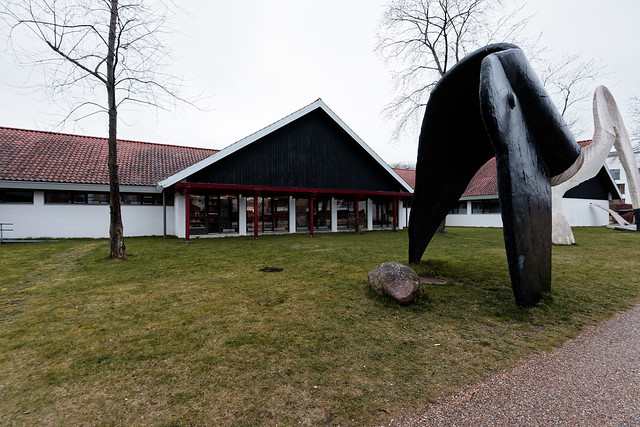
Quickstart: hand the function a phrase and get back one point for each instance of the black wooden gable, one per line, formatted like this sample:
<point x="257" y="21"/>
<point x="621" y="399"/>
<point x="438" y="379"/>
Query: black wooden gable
<point x="599" y="188"/>
<point x="312" y="151"/>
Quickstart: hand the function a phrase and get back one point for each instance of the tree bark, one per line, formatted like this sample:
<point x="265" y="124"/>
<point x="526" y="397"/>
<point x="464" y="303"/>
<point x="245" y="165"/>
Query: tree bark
<point x="116" y="233"/>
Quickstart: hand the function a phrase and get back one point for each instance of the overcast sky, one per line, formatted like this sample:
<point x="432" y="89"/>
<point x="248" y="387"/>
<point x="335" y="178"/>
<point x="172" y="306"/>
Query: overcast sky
<point x="258" y="61"/>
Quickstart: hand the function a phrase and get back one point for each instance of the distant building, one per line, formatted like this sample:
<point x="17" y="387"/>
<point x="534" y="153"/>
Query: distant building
<point x="479" y="205"/>
<point x="618" y="173"/>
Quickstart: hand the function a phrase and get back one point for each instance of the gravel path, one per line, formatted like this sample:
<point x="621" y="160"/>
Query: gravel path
<point x="593" y="380"/>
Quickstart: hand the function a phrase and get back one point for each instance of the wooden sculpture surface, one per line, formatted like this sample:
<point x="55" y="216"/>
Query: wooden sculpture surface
<point x="491" y="103"/>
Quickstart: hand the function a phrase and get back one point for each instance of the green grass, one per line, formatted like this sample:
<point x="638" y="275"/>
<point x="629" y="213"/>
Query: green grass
<point x="181" y="334"/>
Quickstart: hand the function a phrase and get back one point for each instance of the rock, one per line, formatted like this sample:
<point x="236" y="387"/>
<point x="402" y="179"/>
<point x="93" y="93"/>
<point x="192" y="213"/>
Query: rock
<point x="397" y="281"/>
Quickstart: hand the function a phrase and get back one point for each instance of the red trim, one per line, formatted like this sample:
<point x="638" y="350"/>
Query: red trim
<point x="187" y="214"/>
<point x="255" y="216"/>
<point x="311" y="216"/>
<point x="248" y="189"/>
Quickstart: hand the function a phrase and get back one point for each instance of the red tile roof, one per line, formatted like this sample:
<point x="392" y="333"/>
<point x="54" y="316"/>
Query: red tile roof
<point x="483" y="183"/>
<point x="27" y="155"/>
<point x="584" y="143"/>
<point x="409" y="176"/>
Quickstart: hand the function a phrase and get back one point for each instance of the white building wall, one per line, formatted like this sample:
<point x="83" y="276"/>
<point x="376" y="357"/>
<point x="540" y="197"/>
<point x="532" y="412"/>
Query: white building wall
<point x="69" y="221"/>
<point x="474" y="220"/>
<point x="242" y="215"/>
<point x="179" y="215"/>
<point x="334" y="214"/>
<point x="581" y="212"/>
<point x="292" y="214"/>
<point x="144" y="220"/>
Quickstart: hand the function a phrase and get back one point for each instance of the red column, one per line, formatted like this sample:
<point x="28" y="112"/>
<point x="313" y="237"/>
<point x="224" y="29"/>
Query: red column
<point x="395" y="214"/>
<point x="187" y="214"/>
<point x="357" y="215"/>
<point x="311" y="216"/>
<point x="255" y="216"/>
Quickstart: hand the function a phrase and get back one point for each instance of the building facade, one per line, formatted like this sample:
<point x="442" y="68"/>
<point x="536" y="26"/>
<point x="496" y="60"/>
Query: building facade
<point x="308" y="172"/>
<point x="479" y="205"/>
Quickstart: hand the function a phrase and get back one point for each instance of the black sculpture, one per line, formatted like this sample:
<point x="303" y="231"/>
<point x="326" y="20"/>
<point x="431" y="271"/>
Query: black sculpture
<point x="491" y="103"/>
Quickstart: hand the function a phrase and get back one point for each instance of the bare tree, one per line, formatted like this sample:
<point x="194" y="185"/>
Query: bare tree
<point x="570" y="81"/>
<point x="403" y="165"/>
<point x="422" y="39"/>
<point x="90" y="45"/>
<point x="425" y="38"/>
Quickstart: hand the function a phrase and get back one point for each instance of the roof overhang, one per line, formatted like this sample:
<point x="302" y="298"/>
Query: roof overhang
<point x="480" y="197"/>
<point x="272" y="128"/>
<point x="63" y="186"/>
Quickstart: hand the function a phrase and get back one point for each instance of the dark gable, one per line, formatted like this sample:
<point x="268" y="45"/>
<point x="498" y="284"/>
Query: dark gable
<point x="311" y="152"/>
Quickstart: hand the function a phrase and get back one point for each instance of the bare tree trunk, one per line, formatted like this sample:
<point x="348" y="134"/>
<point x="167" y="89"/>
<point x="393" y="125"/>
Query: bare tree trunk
<point x="441" y="228"/>
<point x="116" y="234"/>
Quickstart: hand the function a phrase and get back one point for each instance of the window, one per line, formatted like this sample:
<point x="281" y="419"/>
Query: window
<point x="98" y="198"/>
<point x="229" y="215"/>
<point x="16" y="196"/>
<point x="346" y="213"/>
<point x="382" y="213"/>
<point x="485" y="207"/>
<point x="273" y="213"/>
<point x="346" y="210"/>
<point x="460" y="209"/>
<point x="322" y="214"/>
<point x="131" y="199"/>
<point x="84" y="198"/>
<point x="213" y="213"/>
<point x="302" y="214"/>
<point x="197" y="215"/>
<point x="615" y="173"/>
<point x="621" y="187"/>
<point x="57" y="197"/>
<point x="362" y="214"/>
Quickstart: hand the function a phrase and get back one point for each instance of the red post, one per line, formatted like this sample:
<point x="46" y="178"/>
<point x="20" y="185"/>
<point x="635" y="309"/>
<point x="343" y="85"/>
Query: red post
<point x="357" y="215"/>
<point x="395" y="214"/>
<point x="311" y="216"/>
<point x="187" y="214"/>
<point x="255" y="216"/>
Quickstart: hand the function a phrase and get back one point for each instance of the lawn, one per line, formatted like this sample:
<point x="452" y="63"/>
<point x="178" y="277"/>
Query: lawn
<point x="182" y="334"/>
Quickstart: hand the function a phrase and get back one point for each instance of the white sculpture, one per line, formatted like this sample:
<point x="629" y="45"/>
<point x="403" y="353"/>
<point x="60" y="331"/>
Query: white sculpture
<point x="609" y="132"/>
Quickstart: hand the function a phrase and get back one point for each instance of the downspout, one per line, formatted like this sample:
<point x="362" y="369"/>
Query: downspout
<point x="187" y="214"/>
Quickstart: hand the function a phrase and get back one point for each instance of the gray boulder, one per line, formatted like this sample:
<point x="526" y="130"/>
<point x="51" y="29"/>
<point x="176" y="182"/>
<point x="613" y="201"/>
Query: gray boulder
<point x="397" y="281"/>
